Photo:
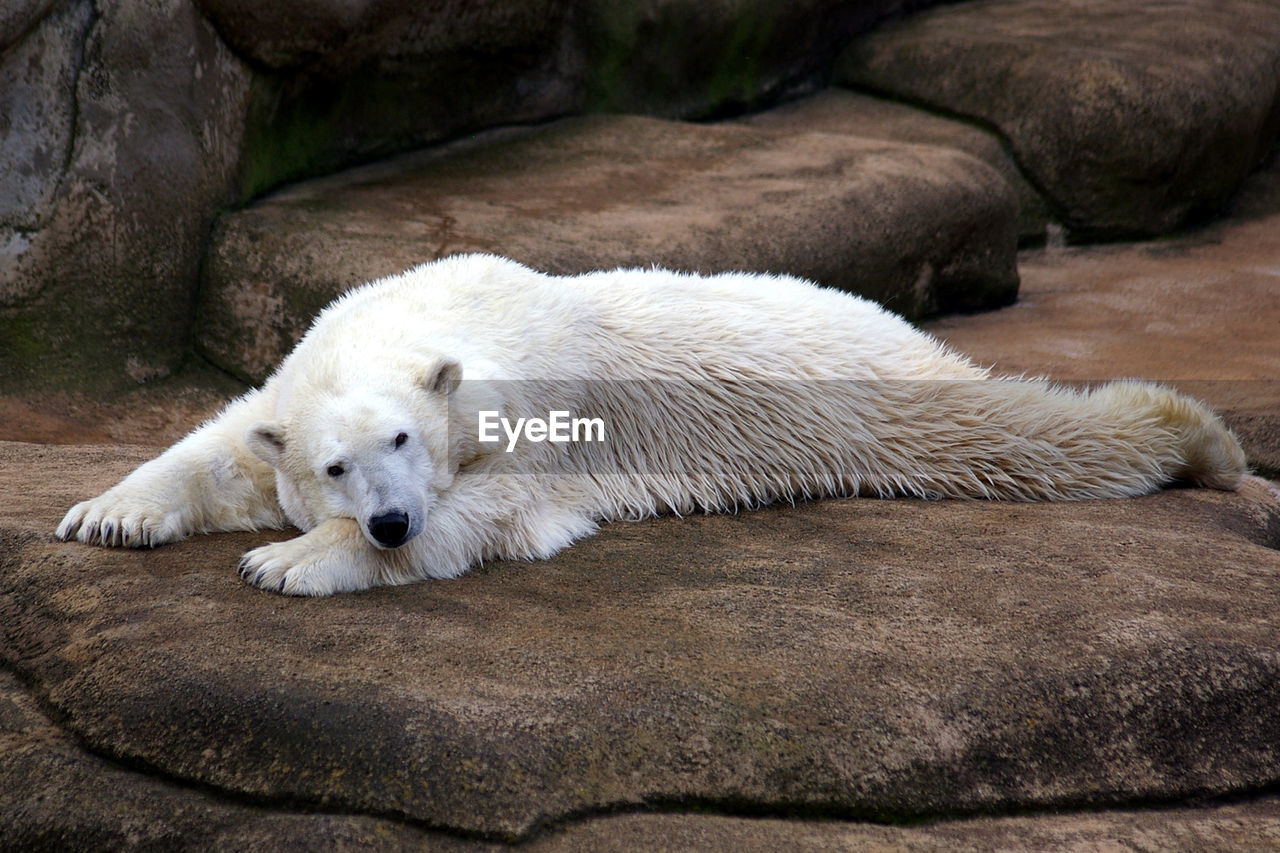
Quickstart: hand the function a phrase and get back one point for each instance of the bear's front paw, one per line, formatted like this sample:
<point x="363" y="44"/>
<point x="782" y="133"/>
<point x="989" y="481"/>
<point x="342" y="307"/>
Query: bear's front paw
<point x="324" y="561"/>
<point x="121" y="520"/>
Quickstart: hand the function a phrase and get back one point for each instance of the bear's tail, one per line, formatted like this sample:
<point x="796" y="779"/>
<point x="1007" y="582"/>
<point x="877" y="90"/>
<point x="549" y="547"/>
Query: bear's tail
<point x="1205" y="452"/>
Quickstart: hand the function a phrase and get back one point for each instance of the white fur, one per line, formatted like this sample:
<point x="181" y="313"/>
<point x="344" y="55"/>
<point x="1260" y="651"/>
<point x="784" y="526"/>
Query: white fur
<point x="718" y="392"/>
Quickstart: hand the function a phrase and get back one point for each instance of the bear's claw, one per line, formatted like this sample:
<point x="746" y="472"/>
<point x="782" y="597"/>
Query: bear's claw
<point x="116" y="521"/>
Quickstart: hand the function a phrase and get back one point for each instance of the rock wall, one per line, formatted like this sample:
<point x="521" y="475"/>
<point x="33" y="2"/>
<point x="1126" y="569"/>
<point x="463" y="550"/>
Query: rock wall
<point x="128" y="127"/>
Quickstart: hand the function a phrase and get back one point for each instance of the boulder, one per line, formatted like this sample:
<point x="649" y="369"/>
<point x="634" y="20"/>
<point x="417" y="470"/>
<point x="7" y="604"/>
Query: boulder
<point x="334" y="78"/>
<point x="124" y="125"/>
<point x="1132" y="118"/>
<point x="919" y="228"/>
<point x="965" y="657"/>
<point x="680" y="59"/>
<point x="848" y="113"/>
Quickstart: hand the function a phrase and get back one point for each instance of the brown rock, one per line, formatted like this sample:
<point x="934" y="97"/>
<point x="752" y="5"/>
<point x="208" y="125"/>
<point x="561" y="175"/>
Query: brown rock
<point x="919" y="228"/>
<point x="851" y="114"/>
<point x="963" y="657"/>
<point x="56" y="795"/>
<point x="1131" y="117"/>
<point x="1235" y="826"/>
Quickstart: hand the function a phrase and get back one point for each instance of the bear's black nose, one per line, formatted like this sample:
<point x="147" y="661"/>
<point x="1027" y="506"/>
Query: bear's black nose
<point x="390" y="529"/>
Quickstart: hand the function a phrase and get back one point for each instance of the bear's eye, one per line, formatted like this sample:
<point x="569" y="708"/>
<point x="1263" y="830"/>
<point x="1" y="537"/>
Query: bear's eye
<point x="401" y="439"/>
<point x="336" y="470"/>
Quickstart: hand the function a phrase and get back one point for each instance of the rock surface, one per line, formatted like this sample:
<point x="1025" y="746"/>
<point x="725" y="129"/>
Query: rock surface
<point x="964" y="657"/>
<point x="838" y="111"/>
<point x="121" y="129"/>
<point x="1131" y="117"/>
<point x="919" y="228"/>
<point x="47" y="779"/>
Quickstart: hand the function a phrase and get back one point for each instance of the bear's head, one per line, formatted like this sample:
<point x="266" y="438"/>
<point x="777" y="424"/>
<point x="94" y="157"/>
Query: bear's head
<point x="372" y="450"/>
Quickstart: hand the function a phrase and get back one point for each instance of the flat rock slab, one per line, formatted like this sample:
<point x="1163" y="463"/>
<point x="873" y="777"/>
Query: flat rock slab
<point x="853" y="658"/>
<point x="916" y="227"/>
<point x="1131" y="117"/>
<point x="56" y="795"/>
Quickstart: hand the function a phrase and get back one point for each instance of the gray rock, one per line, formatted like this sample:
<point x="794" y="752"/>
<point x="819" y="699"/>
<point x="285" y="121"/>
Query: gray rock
<point x="1131" y="117"/>
<point x="37" y="124"/>
<point x="121" y="161"/>
<point x="17" y="17"/>
<point x="963" y="657"/>
<point x="919" y="228"/>
<point x="37" y="116"/>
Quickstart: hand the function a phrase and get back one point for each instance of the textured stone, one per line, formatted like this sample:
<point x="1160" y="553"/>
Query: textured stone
<point x="17" y="17"/>
<point x="1210" y="828"/>
<point x="334" y="78"/>
<point x="37" y="117"/>
<point x="964" y="656"/>
<point x="1131" y="117"/>
<point x="919" y="228"/>
<point x="56" y="796"/>
<point x="684" y="59"/>
<point x="843" y="112"/>
<point x="124" y="147"/>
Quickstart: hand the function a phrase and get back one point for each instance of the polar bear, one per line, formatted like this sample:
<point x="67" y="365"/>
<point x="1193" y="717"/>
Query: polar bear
<point x="375" y="437"/>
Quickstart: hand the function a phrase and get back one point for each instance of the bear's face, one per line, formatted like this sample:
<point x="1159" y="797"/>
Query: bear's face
<point x="377" y="457"/>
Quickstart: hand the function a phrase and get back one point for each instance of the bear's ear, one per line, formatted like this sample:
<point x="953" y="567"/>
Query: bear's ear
<point x="442" y="377"/>
<point x="266" y="440"/>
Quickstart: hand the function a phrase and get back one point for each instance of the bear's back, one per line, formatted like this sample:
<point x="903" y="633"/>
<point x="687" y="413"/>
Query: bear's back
<point x="630" y="324"/>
